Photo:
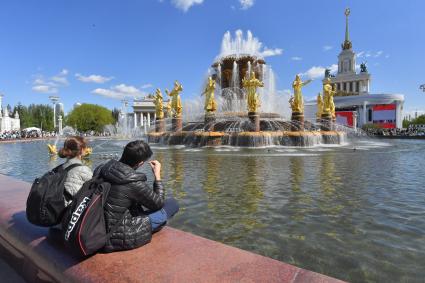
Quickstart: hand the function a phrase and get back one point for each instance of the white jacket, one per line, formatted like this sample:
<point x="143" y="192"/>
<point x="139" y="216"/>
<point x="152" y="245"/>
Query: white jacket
<point x="76" y="177"/>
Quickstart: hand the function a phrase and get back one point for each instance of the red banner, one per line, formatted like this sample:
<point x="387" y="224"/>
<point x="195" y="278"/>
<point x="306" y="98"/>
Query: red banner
<point x="345" y="118"/>
<point x="384" y="107"/>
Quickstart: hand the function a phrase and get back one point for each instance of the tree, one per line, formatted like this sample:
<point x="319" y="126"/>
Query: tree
<point x="406" y="123"/>
<point x="89" y="117"/>
<point x="115" y="114"/>
<point x="35" y="115"/>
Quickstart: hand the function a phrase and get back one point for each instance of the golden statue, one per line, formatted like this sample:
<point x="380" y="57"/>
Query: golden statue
<point x="159" y="104"/>
<point x="251" y="85"/>
<point x="328" y="100"/>
<point x="52" y="149"/>
<point x="210" y="104"/>
<point x="319" y="106"/>
<point x="176" y="103"/>
<point x="168" y="107"/>
<point x="297" y="102"/>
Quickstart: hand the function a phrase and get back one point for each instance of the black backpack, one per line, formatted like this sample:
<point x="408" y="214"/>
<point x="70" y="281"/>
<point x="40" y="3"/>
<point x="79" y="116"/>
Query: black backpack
<point x="83" y="226"/>
<point x="46" y="200"/>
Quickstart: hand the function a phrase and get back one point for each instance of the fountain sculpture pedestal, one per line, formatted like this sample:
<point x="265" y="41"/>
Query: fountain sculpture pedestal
<point x="297" y="119"/>
<point x="176" y="124"/>
<point x="209" y="121"/>
<point x="327" y="123"/>
<point x="160" y="125"/>
<point x="254" y="117"/>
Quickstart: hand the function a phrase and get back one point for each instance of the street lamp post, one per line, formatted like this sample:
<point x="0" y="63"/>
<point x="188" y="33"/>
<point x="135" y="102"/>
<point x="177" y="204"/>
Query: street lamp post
<point x="54" y="100"/>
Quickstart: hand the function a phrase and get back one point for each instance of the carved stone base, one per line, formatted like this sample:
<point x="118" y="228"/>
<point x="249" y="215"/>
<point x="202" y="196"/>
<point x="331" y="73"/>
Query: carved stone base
<point x="297" y="119"/>
<point x="176" y="124"/>
<point x="254" y="117"/>
<point x="160" y="125"/>
<point x="327" y="123"/>
<point x="209" y="121"/>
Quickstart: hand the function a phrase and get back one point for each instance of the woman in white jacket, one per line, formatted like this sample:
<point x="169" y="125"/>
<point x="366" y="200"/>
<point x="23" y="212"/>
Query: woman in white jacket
<point x="73" y="150"/>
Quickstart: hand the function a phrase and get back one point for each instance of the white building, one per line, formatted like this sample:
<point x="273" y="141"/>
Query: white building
<point x="354" y="104"/>
<point x="8" y="123"/>
<point x="144" y="111"/>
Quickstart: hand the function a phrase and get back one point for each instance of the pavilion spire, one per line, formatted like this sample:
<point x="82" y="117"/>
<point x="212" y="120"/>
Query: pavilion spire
<point x="347" y="43"/>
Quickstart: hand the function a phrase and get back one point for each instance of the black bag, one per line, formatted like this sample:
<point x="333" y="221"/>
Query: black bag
<point x="84" y="224"/>
<point x="46" y="200"/>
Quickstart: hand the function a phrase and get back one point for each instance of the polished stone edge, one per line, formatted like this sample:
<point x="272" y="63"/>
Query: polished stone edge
<point x="172" y="256"/>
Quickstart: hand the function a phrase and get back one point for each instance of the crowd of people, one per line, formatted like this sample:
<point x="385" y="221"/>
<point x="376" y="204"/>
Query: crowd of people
<point x="37" y="134"/>
<point x="413" y="132"/>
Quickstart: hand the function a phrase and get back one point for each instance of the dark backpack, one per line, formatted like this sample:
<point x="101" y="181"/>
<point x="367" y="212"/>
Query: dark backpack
<point x="83" y="226"/>
<point x="46" y="200"/>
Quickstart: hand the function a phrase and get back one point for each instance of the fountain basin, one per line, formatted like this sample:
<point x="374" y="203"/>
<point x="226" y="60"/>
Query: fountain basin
<point x="248" y="139"/>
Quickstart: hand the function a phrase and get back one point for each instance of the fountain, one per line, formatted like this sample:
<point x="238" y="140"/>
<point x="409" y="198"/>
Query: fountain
<point x="242" y="108"/>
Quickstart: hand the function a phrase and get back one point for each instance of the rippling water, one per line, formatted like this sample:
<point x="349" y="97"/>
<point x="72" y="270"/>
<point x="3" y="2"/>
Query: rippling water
<point x="354" y="212"/>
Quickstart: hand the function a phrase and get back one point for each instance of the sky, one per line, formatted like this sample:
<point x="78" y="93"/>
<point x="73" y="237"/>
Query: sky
<point x="99" y="51"/>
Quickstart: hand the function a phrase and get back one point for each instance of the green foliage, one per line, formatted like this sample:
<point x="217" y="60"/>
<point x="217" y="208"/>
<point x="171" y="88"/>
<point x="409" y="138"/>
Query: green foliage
<point x="35" y="115"/>
<point x="420" y="120"/>
<point x="89" y="117"/>
<point x="406" y="123"/>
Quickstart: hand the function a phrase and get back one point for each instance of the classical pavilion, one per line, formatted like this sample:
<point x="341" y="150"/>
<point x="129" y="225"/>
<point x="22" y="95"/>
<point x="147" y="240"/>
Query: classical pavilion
<point x="355" y="105"/>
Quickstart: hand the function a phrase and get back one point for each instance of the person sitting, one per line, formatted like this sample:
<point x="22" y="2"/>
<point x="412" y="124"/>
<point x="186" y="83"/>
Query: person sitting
<point x="133" y="209"/>
<point x="73" y="150"/>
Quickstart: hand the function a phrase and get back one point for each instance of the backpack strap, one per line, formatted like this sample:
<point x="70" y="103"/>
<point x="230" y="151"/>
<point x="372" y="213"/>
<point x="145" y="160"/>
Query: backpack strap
<point x="72" y="166"/>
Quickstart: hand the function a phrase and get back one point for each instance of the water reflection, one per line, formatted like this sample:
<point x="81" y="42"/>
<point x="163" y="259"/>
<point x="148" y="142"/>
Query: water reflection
<point x="231" y="202"/>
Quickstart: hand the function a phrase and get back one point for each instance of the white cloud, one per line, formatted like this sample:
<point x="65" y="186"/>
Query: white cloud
<point x="327" y="47"/>
<point x="52" y="84"/>
<point x="379" y="53"/>
<point x="387" y="56"/>
<point x="368" y="54"/>
<point x="145" y="86"/>
<point x="44" y="89"/>
<point x="93" y="78"/>
<point x="61" y="78"/>
<point x="316" y="72"/>
<point x="186" y="4"/>
<point x="296" y="58"/>
<point x="120" y="91"/>
<point x="271" y="52"/>
<point x="246" y="4"/>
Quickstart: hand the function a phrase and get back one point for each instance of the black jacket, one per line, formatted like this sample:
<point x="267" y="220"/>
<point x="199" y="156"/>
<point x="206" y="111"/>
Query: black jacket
<point x="129" y="192"/>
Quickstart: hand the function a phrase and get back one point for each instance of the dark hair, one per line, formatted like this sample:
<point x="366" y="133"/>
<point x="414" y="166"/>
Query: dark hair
<point x="72" y="147"/>
<point x="136" y="152"/>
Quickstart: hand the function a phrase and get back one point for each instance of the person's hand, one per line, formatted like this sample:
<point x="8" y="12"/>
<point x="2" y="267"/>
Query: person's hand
<point x="156" y="169"/>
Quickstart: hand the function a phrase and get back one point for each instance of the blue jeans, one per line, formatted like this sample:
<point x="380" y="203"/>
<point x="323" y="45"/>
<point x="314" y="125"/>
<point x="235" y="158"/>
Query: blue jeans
<point x="159" y="218"/>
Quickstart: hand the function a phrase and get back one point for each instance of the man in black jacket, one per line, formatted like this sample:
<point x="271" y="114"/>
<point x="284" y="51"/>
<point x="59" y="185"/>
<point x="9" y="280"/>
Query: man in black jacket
<point x="133" y="209"/>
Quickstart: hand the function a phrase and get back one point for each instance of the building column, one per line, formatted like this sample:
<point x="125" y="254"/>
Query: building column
<point x="364" y="113"/>
<point x="135" y="120"/>
<point x="399" y="122"/>
<point x="149" y="119"/>
<point x="141" y="119"/>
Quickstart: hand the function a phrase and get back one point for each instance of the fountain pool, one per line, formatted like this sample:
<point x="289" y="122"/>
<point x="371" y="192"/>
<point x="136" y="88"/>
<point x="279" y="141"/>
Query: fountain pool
<point x="353" y="211"/>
